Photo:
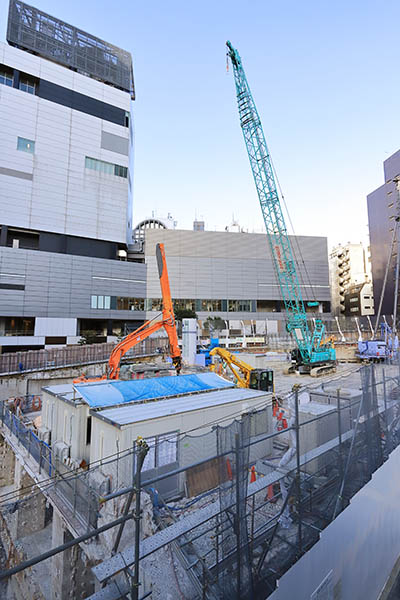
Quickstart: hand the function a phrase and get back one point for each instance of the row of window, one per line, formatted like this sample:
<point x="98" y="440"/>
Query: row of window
<point x="63" y="96"/>
<point x="25" y="84"/>
<point x="26" y="145"/>
<point x="155" y="304"/>
<point x="105" y="167"/>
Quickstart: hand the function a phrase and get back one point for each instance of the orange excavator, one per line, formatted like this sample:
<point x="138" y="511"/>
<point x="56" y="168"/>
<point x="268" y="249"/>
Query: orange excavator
<point x="167" y="322"/>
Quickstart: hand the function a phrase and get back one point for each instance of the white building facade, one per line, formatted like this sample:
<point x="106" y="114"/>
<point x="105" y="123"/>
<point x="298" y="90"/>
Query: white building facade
<point x="65" y="181"/>
<point x="349" y="266"/>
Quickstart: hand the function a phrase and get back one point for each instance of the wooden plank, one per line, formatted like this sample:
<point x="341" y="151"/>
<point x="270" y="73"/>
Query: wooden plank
<point x="206" y="476"/>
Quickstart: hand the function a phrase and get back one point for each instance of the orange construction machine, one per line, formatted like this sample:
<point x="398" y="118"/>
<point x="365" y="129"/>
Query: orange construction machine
<point x="167" y="322"/>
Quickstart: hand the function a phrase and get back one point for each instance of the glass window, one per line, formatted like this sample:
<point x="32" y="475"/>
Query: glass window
<point x="210" y="305"/>
<point x="27" y="85"/>
<point x="120" y="171"/>
<point x="239" y="305"/>
<point x="93" y="302"/>
<point x="26" y="145"/>
<point x="136" y="303"/>
<point x="105" y="167"/>
<point x="6" y="78"/>
<point x="130" y="303"/>
<point x="244" y="305"/>
<point x="166" y="449"/>
<point x="107" y="301"/>
<point x="184" y="304"/>
<point x="150" y="460"/>
<point x="100" y="301"/>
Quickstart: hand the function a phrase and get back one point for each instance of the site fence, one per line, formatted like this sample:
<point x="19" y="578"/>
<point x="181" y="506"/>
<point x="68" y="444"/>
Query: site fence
<point x="33" y="360"/>
<point x="246" y="534"/>
<point x="37" y="448"/>
<point x="250" y="496"/>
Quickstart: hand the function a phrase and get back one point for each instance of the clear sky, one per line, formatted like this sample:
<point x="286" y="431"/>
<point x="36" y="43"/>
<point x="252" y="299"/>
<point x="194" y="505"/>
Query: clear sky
<point x="324" y="76"/>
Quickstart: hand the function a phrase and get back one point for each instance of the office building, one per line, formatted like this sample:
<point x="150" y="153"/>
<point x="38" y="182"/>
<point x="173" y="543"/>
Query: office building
<point x="65" y="180"/>
<point x="383" y="208"/>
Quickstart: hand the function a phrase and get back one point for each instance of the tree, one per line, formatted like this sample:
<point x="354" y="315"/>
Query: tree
<point x="88" y="336"/>
<point x="212" y="324"/>
<point x="184" y="313"/>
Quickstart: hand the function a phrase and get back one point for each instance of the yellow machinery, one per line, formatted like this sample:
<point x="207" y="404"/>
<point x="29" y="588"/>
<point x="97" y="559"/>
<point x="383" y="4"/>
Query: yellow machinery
<point x="245" y="375"/>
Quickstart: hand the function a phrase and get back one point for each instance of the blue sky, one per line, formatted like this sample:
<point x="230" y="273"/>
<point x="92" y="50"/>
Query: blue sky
<point x="324" y="76"/>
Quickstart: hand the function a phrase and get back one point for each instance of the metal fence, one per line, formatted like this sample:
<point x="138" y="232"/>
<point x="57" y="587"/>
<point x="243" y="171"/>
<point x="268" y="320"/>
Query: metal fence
<point x="32" y="360"/>
<point x="38" y="449"/>
<point x="246" y="534"/>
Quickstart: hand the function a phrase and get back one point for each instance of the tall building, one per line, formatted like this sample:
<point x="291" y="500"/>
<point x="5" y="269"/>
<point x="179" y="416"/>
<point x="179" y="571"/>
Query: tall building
<point x="382" y="210"/>
<point x="349" y="266"/>
<point x="65" y="179"/>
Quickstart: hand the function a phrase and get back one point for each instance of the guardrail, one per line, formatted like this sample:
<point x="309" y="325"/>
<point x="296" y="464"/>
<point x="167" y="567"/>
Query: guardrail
<point x="34" y="360"/>
<point x="38" y="449"/>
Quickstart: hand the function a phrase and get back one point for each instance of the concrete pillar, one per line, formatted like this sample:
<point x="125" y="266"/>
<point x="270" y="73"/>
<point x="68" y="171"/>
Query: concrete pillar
<point x="72" y="577"/>
<point x="7" y="464"/>
<point x="30" y="514"/>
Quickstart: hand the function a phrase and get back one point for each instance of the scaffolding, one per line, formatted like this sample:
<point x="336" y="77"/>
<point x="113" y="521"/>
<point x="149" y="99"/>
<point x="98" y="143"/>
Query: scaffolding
<point x="237" y="538"/>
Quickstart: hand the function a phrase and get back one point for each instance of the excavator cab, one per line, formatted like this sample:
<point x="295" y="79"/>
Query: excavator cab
<point x="262" y="379"/>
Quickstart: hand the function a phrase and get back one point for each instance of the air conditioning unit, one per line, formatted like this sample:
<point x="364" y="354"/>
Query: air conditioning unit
<point x="61" y="451"/>
<point x="44" y="434"/>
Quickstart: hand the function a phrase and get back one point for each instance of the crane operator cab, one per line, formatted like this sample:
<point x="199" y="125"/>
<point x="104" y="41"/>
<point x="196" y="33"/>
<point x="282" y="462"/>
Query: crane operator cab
<point x="262" y="379"/>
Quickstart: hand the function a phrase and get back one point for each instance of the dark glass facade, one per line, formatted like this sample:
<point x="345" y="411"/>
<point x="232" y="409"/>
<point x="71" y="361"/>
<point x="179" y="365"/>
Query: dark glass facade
<point x="382" y="207"/>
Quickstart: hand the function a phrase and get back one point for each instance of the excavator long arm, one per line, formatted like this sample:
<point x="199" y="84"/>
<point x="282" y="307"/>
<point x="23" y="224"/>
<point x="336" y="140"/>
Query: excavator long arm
<point x="127" y="343"/>
<point x="168" y="309"/>
<point x="243" y="370"/>
<point x="140" y="334"/>
<point x="167" y="322"/>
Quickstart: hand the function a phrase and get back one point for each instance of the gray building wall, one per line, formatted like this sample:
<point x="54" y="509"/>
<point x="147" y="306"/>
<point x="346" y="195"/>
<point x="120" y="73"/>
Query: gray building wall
<point x="381" y="211"/>
<point x="61" y="285"/>
<point x="231" y="266"/>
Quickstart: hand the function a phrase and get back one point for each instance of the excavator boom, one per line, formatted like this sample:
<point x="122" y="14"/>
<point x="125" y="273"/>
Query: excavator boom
<point x="143" y="332"/>
<point x="245" y="375"/>
<point x="168" y="323"/>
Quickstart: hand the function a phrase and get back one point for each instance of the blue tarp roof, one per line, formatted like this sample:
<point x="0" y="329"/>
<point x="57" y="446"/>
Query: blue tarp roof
<point x="111" y="393"/>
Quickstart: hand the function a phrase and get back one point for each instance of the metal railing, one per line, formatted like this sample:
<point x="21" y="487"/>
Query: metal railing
<point x="33" y="360"/>
<point x="39" y="450"/>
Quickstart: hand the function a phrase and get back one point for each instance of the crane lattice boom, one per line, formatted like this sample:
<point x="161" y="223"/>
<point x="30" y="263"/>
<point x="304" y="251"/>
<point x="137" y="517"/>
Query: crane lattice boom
<point x="309" y="343"/>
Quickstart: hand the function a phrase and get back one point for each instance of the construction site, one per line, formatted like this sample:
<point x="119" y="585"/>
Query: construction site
<point x="182" y="415"/>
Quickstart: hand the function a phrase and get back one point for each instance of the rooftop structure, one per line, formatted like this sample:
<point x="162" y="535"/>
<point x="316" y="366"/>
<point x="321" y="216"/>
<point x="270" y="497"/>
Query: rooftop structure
<point x="44" y="35"/>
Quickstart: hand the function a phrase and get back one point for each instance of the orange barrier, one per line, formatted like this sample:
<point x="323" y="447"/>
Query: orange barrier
<point x="36" y="403"/>
<point x="253" y="476"/>
<point x="229" y="469"/>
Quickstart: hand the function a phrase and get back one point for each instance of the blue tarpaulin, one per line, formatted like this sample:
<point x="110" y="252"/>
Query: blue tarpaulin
<point x="111" y="393"/>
